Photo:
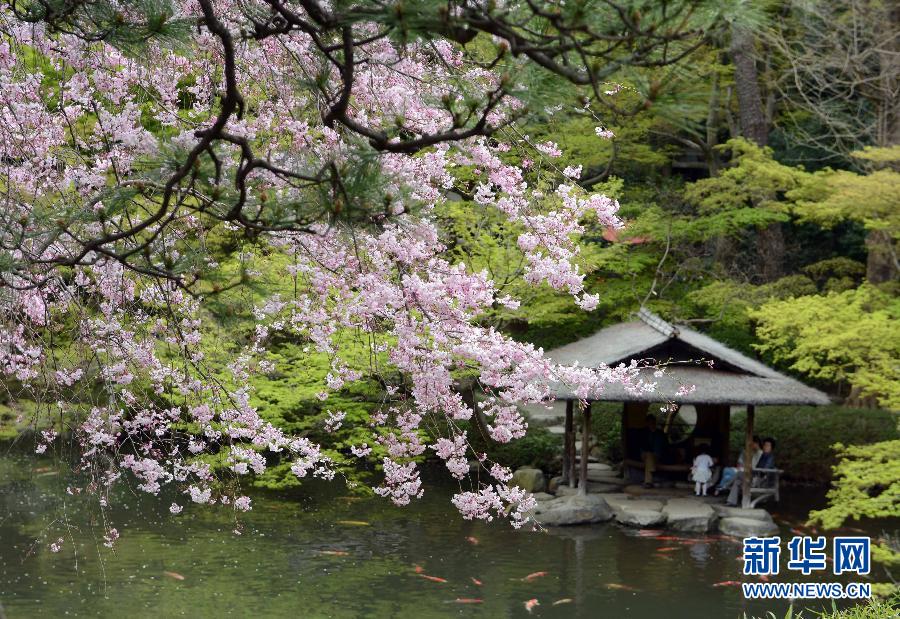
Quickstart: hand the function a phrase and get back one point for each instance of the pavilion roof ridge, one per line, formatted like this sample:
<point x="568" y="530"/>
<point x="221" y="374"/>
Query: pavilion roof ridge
<point x="657" y="323"/>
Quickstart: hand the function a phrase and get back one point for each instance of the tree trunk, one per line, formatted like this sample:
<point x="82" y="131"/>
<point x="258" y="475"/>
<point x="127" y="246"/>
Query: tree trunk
<point x="746" y="82"/>
<point x="755" y="127"/>
<point x="770" y="247"/>
<point x="881" y="261"/>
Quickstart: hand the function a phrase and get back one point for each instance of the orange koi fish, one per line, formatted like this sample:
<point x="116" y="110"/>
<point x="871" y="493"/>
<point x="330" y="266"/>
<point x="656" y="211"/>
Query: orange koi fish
<point x="335" y="553"/>
<point x="469" y="601"/>
<point x="475" y="581"/>
<point x="534" y="575"/>
<point x="472" y="540"/>
<point x="174" y="575"/>
<point x="727" y="583"/>
<point x="618" y="587"/>
<point x="433" y="578"/>
<point x="530" y="604"/>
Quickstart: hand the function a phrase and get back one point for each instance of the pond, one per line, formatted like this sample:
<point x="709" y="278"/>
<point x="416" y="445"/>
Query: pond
<point x="316" y="553"/>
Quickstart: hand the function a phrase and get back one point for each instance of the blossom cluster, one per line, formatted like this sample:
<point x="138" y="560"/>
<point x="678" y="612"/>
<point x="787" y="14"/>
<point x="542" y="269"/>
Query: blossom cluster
<point x="78" y="133"/>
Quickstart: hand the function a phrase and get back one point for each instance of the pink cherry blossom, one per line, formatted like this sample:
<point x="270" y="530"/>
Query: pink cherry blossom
<point x="84" y="147"/>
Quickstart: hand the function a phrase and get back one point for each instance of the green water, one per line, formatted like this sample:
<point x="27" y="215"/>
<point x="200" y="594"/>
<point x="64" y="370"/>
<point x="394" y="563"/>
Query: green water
<point x="289" y="561"/>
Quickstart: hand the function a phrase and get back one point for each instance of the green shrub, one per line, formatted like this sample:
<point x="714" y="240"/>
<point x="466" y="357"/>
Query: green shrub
<point x="606" y="427"/>
<point x="805" y="435"/>
<point x="539" y="448"/>
<point x="872" y="609"/>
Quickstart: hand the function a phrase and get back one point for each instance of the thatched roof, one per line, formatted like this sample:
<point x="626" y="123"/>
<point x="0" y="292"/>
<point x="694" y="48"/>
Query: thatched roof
<point x="733" y="378"/>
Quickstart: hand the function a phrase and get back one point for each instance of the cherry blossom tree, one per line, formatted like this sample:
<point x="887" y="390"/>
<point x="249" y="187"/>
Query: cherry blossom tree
<point x="136" y="133"/>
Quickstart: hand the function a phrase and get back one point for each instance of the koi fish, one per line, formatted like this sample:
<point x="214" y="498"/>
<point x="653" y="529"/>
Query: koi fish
<point x="174" y="575"/>
<point x="472" y="540"/>
<point x="667" y="549"/>
<point x="419" y="569"/>
<point x="649" y="532"/>
<point x="562" y="601"/>
<point x="468" y="601"/>
<point x="354" y="523"/>
<point x="433" y="578"/>
<point x="618" y="587"/>
<point x="534" y="575"/>
<point x="530" y="604"/>
<point x="475" y="581"/>
<point x="667" y="538"/>
<point x="335" y="553"/>
<point x="727" y="583"/>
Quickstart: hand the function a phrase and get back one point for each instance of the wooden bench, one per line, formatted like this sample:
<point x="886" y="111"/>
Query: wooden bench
<point x="764" y="485"/>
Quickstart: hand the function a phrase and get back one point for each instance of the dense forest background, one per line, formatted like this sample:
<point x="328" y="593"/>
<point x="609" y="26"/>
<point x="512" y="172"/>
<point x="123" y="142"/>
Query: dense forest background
<point x="759" y="182"/>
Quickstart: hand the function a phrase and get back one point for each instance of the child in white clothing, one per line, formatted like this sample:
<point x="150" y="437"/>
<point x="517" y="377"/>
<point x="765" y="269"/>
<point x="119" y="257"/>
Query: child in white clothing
<point x="701" y="471"/>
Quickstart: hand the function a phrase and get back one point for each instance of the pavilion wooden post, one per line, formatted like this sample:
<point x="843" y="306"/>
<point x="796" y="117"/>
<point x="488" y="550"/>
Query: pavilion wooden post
<point x="585" y="449"/>
<point x="748" y="458"/>
<point x="569" y="437"/>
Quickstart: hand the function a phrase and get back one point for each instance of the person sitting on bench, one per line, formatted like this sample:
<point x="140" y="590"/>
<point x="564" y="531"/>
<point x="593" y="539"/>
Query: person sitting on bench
<point x="766" y="461"/>
<point x="730" y="472"/>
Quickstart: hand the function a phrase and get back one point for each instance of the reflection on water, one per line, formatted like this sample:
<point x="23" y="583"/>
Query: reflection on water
<point x="317" y="554"/>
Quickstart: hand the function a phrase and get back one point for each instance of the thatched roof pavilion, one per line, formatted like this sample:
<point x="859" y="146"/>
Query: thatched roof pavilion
<point x="720" y="377"/>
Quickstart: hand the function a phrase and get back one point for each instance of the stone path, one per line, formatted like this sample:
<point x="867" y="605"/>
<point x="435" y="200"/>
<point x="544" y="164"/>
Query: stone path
<point x="609" y="498"/>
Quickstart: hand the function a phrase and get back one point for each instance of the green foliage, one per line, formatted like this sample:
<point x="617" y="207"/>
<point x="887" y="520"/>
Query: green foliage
<point x="807" y="435"/>
<point x="836" y="274"/>
<point x="849" y="336"/>
<point x="539" y="448"/>
<point x="606" y="427"/>
<point x="866" y="484"/>
<point x="753" y="181"/>
<point x="830" y="196"/>
<point x="872" y="609"/>
<point x="730" y="303"/>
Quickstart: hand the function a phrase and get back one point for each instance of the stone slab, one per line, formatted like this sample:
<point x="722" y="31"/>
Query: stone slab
<point x="725" y="511"/>
<point x="638" y="514"/>
<point x="614" y="498"/>
<point x="746" y="527"/>
<point x="598" y="466"/>
<point x="593" y="488"/>
<point x="572" y="510"/>
<point x="689" y="515"/>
